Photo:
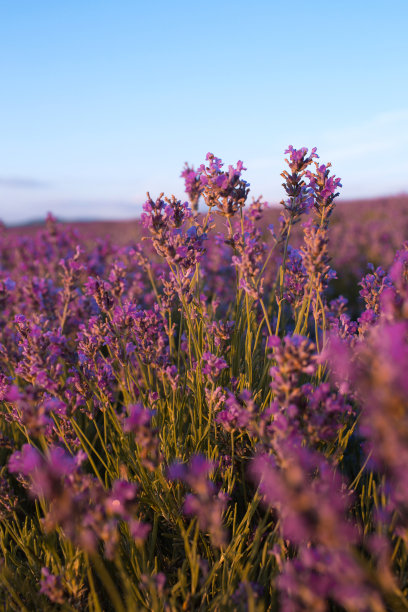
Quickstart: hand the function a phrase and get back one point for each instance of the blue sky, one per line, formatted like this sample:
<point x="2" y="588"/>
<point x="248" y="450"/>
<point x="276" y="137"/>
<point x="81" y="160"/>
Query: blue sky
<point x="102" y="100"/>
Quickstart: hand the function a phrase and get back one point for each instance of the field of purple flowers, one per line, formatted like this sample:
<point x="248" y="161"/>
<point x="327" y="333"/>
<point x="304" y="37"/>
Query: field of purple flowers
<point x="208" y="412"/>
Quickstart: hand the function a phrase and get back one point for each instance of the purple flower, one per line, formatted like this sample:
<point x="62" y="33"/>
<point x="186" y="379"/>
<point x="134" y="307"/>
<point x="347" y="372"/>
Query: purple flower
<point x="100" y="290"/>
<point x="249" y="257"/>
<point x="177" y="471"/>
<point x="139" y="531"/>
<point x="324" y="192"/>
<point x="46" y="473"/>
<point x="294" y="357"/>
<point x="145" y="436"/>
<point x="51" y="586"/>
<point x="238" y="413"/>
<point x="319" y="576"/>
<point x="296" y="278"/>
<point x="165" y="220"/>
<point x="307" y="494"/>
<point x="122" y="499"/>
<point x="139" y="417"/>
<point x="298" y="159"/>
<point x="193" y="185"/>
<point x="300" y="195"/>
<point x="315" y="258"/>
<point x="213" y="365"/>
<point x="26" y="461"/>
<point x="205" y="502"/>
<point x="372" y="287"/>
<point x="226" y="191"/>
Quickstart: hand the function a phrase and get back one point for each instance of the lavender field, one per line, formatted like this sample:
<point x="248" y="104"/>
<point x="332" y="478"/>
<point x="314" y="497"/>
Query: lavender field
<point x="206" y="409"/>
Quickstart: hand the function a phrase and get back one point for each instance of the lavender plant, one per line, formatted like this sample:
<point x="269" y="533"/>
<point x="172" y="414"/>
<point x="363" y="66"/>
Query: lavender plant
<point x="194" y="420"/>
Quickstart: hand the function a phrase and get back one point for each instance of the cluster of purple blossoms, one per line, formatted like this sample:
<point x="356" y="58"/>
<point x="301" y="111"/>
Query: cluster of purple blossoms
<point x="294" y="358"/>
<point x="312" y="502"/>
<point x="316" y="262"/>
<point x="249" y="253"/>
<point x="77" y="502"/>
<point x="372" y="287"/>
<point x="138" y="423"/>
<point x="311" y="508"/>
<point x="40" y="351"/>
<point x="300" y="195"/>
<point x="311" y="272"/>
<point x="100" y="290"/>
<point x="295" y="278"/>
<point x="34" y="409"/>
<point x="238" y="412"/>
<point x="339" y="321"/>
<point x="226" y="191"/>
<point x="52" y="587"/>
<point x="220" y="333"/>
<point x="213" y="366"/>
<point x="182" y="247"/>
<point x="215" y="397"/>
<point x="324" y="189"/>
<point x="375" y="368"/>
<point x="165" y="219"/>
<point x="205" y="502"/>
<point x="193" y="185"/>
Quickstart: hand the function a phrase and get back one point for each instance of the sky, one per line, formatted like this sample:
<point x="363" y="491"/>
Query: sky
<point x="101" y="101"/>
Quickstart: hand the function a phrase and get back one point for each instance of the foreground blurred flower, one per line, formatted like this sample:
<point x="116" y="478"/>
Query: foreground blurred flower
<point x="77" y="502"/>
<point x="312" y="503"/>
<point x="51" y="586"/>
<point x="205" y="502"/>
<point x="145" y="436"/>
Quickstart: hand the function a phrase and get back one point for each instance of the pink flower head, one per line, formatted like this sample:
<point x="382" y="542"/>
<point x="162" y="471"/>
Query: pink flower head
<point x="60" y="462"/>
<point x="139" y="531"/>
<point x="26" y="461"/>
<point x="297" y="158"/>
<point x="122" y="498"/>
<point x="139" y="416"/>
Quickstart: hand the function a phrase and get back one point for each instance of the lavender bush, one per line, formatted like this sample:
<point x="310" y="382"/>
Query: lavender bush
<point x="196" y="418"/>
